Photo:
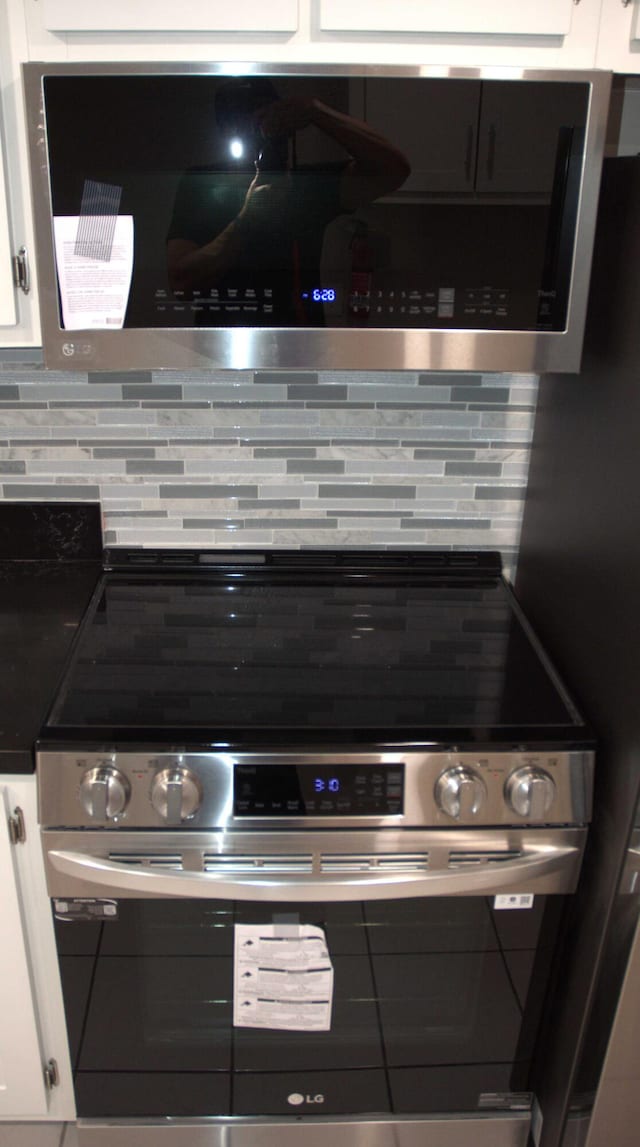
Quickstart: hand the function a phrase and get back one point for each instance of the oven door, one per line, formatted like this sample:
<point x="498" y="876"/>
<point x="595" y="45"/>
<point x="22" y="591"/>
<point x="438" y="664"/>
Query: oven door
<point x="440" y="947"/>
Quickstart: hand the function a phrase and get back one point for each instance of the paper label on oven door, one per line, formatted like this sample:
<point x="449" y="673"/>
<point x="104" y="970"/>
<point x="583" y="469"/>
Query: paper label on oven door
<point x="514" y="900"/>
<point x="283" y="977"/>
<point x="85" y="908"/>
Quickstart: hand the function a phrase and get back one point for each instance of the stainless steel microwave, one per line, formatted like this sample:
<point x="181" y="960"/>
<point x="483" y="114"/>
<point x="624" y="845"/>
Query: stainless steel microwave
<point x="337" y="218"/>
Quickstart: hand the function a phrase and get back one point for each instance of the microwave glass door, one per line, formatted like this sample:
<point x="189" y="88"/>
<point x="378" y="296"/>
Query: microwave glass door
<point x="313" y="201"/>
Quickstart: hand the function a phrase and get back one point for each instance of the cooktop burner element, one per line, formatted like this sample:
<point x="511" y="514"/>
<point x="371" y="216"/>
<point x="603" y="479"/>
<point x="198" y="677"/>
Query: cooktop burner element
<point x="289" y="649"/>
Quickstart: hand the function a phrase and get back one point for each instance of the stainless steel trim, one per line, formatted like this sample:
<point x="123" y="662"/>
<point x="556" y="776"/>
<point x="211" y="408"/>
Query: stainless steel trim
<point x="491" y="1130"/>
<point x="61" y="773"/>
<point x="328" y="349"/>
<point x="78" y="864"/>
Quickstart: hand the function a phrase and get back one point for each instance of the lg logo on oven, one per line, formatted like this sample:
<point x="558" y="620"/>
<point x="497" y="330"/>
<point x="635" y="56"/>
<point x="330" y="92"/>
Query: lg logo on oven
<point x="295" y="1099"/>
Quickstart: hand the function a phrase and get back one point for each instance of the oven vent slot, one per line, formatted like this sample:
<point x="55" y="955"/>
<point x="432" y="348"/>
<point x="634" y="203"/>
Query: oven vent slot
<point x="235" y="865"/>
<point x="147" y="859"/>
<point x="388" y="862"/>
<point x="471" y="858"/>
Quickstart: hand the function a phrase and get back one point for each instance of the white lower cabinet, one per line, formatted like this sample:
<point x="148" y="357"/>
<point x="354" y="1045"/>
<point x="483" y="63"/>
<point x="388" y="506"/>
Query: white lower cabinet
<point x="35" y="1071"/>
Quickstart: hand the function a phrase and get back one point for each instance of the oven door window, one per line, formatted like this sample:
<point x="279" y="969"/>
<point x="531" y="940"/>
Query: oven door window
<point x="436" y="1006"/>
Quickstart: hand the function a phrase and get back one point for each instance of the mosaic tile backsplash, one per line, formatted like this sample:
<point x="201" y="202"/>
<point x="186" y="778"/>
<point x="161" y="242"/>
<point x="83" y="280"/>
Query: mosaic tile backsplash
<point x="284" y="459"/>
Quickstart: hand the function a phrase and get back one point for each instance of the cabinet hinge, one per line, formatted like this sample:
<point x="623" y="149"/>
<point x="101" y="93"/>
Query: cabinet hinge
<point x="17" y="828"/>
<point x="21" y="276"/>
<point x="51" y="1075"/>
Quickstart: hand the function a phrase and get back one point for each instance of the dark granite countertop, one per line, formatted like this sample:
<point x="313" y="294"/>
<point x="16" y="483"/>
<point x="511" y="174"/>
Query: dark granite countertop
<point x="50" y="561"/>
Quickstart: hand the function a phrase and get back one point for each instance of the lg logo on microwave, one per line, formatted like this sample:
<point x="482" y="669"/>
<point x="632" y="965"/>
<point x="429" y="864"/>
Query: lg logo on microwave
<point x="295" y="1099"/>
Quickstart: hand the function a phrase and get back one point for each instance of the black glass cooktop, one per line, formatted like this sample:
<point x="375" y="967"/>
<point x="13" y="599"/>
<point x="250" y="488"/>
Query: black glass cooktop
<point x="243" y="653"/>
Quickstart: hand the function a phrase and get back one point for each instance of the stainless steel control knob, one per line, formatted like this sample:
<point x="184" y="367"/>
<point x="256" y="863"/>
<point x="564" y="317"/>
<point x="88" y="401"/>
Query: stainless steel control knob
<point x="530" y="792"/>
<point x="104" y="792"/>
<point x="460" y="792"/>
<point x="176" y="794"/>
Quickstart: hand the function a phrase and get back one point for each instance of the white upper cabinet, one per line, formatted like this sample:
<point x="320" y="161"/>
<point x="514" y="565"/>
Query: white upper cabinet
<point x="619" y="40"/>
<point x="462" y="17"/>
<point x="451" y="33"/>
<point x="19" y="323"/>
<point x="529" y="33"/>
<point x="8" y="313"/>
<point x="167" y="16"/>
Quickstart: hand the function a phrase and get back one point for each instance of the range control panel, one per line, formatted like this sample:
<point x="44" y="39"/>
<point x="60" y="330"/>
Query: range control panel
<point x="143" y="789"/>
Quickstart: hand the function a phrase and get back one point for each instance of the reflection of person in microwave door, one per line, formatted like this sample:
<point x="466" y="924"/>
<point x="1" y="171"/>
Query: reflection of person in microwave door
<point x="254" y="224"/>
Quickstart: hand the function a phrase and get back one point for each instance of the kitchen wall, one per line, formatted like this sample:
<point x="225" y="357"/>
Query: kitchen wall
<point x="285" y="459"/>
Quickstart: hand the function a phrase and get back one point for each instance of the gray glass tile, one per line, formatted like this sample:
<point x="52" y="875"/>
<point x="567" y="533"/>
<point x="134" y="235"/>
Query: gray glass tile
<point x="135" y="514"/>
<point x="165" y="466"/>
<point x="314" y="466"/>
<point x="125" y="452"/>
<point x="445" y="378"/>
<point x="444" y="524"/>
<point x="501" y="493"/>
<point x="20" y="356"/>
<point x="284" y="452"/>
<point x="489" y="469"/>
<point x="332" y="490"/>
<point x="189" y="491"/>
<point x="286" y="377"/>
<point x="468" y="393"/>
<point x="444" y="454"/>
<point x="51" y="493"/>
<point x="268" y="503"/>
<point x="317" y="393"/>
<point x="150" y="391"/>
<point x="130" y="377"/>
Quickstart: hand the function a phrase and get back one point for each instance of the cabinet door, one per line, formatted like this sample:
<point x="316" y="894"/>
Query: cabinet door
<point x="619" y="39"/>
<point x="165" y="15"/>
<point x="518" y="137"/>
<point x="7" y="290"/>
<point x="22" y="1088"/>
<point x="19" y="321"/>
<point x="438" y="137"/>
<point x="466" y="17"/>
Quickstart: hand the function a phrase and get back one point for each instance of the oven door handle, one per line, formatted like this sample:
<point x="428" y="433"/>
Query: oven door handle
<point x="540" y="870"/>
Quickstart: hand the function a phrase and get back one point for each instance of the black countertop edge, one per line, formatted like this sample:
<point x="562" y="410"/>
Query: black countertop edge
<point x="50" y="531"/>
<point x="43" y="602"/>
<point x="275" y="741"/>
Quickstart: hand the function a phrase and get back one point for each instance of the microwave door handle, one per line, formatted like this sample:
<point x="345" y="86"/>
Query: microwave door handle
<point x="544" y="870"/>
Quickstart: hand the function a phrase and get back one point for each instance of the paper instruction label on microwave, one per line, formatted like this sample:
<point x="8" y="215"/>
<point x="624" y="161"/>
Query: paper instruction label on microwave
<point x="514" y="900"/>
<point x="94" y="292"/>
<point x="282" y="977"/>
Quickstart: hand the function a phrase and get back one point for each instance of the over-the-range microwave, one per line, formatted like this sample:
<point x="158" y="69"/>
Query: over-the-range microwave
<point x="313" y="217"/>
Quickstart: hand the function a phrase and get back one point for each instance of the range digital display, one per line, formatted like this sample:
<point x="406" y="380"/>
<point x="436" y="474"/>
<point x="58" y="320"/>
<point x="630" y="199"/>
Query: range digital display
<point x="318" y="790"/>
